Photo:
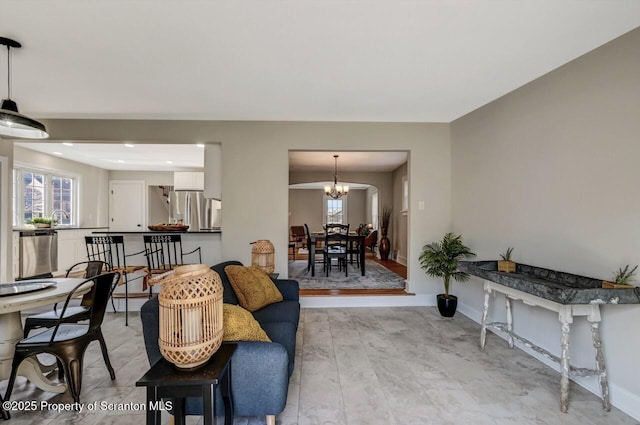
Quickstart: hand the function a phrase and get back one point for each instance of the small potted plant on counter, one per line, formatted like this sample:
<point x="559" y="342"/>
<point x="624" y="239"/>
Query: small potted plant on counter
<point x="440" y="259"/>
<point x="41" y="222"/>
<point x="506" y="265"/>
<point x="621" y="279"/>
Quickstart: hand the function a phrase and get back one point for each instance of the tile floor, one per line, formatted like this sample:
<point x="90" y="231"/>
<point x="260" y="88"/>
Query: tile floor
<point x="361" y="366"/>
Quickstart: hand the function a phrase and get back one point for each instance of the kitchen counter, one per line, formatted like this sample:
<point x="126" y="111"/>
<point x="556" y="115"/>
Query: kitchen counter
<point x="157" y="232"/>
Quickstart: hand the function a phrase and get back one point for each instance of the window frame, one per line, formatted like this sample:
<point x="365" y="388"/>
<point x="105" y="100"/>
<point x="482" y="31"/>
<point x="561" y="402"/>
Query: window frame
<point x="18" y="202"/>
<point x="325" y="203"/>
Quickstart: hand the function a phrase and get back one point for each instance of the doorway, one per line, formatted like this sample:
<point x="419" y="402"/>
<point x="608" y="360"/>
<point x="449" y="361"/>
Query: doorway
<point x="372" y="177"/>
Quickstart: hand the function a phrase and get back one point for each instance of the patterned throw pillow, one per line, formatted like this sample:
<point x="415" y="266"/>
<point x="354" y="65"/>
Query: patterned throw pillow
<point x="239" y="325"/>
<point x="253" y="287"/>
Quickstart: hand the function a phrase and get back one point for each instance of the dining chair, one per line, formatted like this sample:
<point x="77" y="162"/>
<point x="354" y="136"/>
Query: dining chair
<point x="336" y="245"/>
<point x="318" y="250"/>
<point x="73" y="314"/>
<point x="164" y="252"/>
<point x="298" y="236"/>
<point x="69" y="341"/>
<point x="4" y="414"/>
<point x="110" y="249"/>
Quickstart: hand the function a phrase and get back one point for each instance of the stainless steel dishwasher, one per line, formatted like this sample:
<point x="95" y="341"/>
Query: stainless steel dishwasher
<point x="38" y="253"/>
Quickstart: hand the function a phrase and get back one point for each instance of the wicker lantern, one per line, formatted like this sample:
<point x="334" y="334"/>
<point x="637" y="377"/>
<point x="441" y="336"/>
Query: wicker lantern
<point x="190" y="315"/>
<point x="263" y="255"/>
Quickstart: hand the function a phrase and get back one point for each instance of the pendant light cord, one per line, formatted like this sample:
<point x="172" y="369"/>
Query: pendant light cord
<point x="8" y="72"/>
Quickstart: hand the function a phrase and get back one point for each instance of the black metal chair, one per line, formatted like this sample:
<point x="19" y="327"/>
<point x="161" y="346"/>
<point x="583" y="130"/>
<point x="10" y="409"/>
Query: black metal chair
<point x="69" y="341"/>
<point x="110" y="249"/>
<point x="336" y="245"/>
<point x="318" y="250"/>
<point x="164" y="253"/>
<point x="73" y="314"/>
<point x="4" y="414"/>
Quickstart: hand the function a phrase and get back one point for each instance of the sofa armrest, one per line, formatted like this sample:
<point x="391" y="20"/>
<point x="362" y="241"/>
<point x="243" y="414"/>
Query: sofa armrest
<point x="149" y="314"/>
<point x="289" y="289"/>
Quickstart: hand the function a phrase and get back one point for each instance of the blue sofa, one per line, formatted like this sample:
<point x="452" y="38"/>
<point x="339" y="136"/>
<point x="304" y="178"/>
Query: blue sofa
<point x="260" y="371"/>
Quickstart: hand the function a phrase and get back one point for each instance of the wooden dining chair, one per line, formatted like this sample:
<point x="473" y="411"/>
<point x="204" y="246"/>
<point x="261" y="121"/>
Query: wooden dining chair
<point x="318" y="250"/>
<point x="110" y="249"/>
<point x="164" y="252"/>
<point x="336" y="245"/>
<point x="69" y="341"/>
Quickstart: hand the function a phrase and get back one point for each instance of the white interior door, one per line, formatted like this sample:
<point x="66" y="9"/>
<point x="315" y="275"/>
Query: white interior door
<point x="127" y="205"/>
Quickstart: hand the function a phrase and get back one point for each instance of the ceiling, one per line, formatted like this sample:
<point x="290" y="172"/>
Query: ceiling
<point x="347" y="161"/>
<point x="294" y="60"/>
<point x="120" y="156"/>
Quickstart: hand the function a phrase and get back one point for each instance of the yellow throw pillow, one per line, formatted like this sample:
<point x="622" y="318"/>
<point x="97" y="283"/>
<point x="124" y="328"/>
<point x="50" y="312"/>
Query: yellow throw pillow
<point x="239" y="325"/>
<point x="253" y="287"/>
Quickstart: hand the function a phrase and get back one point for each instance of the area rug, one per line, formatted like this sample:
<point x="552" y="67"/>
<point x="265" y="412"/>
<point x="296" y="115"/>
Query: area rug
<point x="377" y="277"/>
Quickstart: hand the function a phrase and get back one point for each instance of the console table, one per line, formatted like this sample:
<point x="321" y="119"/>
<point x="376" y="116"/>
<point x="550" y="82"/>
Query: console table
<point x="164" y="380"/>
<point x="564" y="293"/>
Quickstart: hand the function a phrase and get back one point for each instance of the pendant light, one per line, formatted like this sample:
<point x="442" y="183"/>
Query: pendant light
<point x="337" y="191"/>
<point x="13" y="123"/>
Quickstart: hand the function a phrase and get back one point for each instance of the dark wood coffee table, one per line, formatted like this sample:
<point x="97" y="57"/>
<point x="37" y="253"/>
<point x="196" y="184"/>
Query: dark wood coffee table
<point x="165" y="381"/>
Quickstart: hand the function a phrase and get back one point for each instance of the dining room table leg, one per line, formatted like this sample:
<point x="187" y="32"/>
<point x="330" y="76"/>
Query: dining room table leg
<point x="362" y="251"/>
<point x="12" y="332"/>
<point x="312" y="253"/>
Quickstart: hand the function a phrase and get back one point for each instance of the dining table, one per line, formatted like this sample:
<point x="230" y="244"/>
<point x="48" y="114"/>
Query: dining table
<point x="354" y="238"/>
<point x="16" y="297"/>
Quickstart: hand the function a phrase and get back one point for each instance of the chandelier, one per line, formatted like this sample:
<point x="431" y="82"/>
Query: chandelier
<point x="337" y="191"/>
<point x="12" y="122"/>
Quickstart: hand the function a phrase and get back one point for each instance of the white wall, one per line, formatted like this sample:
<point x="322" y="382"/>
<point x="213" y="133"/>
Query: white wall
<point x="552" y="169"/>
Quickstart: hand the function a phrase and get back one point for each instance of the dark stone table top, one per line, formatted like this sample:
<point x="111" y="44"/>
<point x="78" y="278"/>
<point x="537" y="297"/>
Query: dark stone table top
<point x="560" y="287"/>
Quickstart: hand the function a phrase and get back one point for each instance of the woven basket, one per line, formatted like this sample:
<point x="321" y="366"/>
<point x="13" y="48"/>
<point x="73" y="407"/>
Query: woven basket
<point x="506" y="266"/>
<point x="190" y="315"/>
<point x="263" y="255"/>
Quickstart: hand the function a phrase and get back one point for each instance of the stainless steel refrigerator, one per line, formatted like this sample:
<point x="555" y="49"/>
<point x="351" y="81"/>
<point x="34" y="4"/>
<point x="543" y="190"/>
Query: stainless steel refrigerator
<point x="194" y="210"/>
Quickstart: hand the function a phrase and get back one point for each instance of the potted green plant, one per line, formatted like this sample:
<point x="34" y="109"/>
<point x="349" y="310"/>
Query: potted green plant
<point x="621" y="279"/>
<point x="506" y="265"/>
<point x="41" y="221"/>
<point x="385" y="245"/>
<point x="440" y="259"/>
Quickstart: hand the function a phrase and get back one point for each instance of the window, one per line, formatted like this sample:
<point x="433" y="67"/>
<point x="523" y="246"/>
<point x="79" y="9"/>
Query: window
<point x="374" y="210"/>
<point x="40" y="194"/>
<point x="335" y="210"/>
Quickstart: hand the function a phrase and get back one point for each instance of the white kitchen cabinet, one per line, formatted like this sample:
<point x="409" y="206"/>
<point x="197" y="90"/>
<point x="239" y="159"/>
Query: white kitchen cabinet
<point x="72" y="248"/>
<point x="188" y="180"/>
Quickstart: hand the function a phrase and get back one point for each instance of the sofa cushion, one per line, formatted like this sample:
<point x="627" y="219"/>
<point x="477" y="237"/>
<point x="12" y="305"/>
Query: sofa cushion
<point x="285" y="311"/>
<point x="253" y="287"/>
<point x="228" y="295"/>
<point x="239" y="325"/>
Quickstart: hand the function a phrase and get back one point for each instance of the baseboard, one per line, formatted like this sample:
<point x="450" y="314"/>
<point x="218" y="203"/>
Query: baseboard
<point x="367" y="301"/>
<point x="401" y="260"/>
<point x="622" y="399"/>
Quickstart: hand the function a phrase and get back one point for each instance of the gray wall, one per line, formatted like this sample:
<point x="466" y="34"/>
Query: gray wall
<point x="255" y="177"/>
<point x="552" y="169"/>
<point x="306" y="206"/>
<point x="399" y="219"/>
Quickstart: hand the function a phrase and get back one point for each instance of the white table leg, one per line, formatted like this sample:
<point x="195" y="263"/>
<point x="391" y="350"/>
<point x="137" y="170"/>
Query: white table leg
<point x="600" y="364"/>
<point x="566" y="318"/>
<point x="507" y="301"/>
<point x="11" y="328"/>
<point x="485" y="312"/>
